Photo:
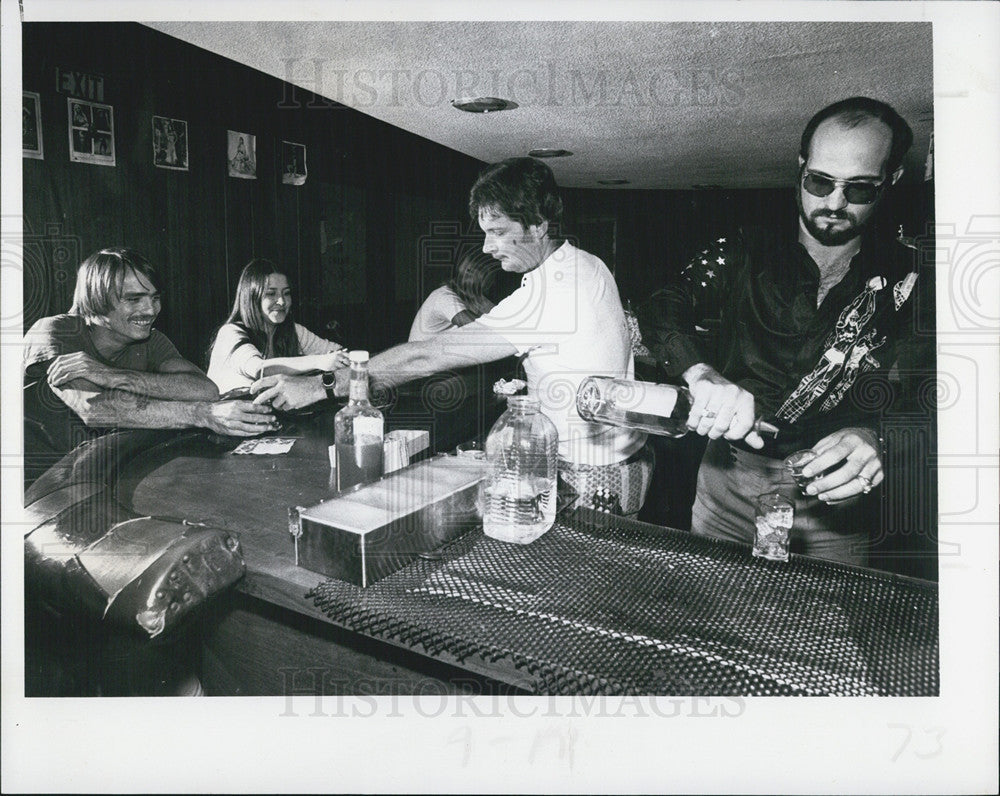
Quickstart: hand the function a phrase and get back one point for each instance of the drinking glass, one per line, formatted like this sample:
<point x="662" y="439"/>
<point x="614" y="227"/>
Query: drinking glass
<point x="796" y="462"/>
<point x="774" y="517"/>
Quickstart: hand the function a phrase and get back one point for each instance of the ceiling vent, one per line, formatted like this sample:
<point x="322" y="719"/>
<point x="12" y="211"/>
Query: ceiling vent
<point x="549" y="153"/>
<point x="483" y="104"/>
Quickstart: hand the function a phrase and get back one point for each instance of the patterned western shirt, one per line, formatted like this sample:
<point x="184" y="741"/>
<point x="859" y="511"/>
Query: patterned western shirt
<point x="747" y="306"/>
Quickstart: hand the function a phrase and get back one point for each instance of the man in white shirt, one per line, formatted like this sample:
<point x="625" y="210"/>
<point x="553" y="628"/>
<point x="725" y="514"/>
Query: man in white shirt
<point x="566" y="318"/>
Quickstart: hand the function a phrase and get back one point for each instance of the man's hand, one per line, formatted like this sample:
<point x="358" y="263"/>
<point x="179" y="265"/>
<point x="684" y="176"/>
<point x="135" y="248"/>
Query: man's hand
<point x="80" y="365"/>
<point x="237" y="418"/>
<point x="720" y="408"/>
<point x="342" y="382"/>
<point x="858" y="449"/>
<point x="336" y="359"/>
<point x="286" y="392"/>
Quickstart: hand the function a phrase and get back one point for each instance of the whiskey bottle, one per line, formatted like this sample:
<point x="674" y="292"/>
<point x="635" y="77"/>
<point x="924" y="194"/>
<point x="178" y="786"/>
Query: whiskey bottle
<point x="358" y="430"/>
<point x="644" y="406"/>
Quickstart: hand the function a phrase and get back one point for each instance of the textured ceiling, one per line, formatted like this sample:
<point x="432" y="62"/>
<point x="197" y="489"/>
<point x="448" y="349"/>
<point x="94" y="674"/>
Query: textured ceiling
<point x="662" y="105"/>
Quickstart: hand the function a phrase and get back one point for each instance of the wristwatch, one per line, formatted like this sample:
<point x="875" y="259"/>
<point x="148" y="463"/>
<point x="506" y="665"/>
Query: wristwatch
<point x="329" y="379"/>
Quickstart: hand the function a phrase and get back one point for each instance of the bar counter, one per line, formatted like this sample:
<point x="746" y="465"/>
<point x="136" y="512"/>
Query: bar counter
<point x="598" y="605"/>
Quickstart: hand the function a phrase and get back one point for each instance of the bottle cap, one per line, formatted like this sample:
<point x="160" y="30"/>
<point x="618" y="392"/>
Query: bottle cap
<point x="358" y="356"/>
<point x="522" y="402"/>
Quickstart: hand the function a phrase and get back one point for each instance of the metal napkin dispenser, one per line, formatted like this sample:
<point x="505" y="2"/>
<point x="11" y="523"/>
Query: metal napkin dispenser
<point x="370" y="531"/>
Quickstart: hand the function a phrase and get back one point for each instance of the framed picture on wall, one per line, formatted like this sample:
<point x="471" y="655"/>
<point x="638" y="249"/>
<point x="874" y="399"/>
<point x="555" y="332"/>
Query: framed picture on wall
<point x="241" y="153"/>
<point x="31" y="126"/>
<point x="170" y="144"/>
<point x="293" y="163"/>
<point x="91" y="132"/>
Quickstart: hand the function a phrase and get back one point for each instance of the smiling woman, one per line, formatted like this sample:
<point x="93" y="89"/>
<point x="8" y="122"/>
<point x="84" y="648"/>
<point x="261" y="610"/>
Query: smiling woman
<point x="260" y="334"/>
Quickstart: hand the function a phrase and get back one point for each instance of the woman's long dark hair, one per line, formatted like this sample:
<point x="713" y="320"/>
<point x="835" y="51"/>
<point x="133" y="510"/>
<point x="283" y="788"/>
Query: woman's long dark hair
<point x="476" y="282"/>
<point x="247" y="315"/>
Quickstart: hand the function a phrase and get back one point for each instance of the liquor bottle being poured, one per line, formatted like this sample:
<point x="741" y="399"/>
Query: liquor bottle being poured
<point x="358" y="430"/>
<point x="654" y="408"/>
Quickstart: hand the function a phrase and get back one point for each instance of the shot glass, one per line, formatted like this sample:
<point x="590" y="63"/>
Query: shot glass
<point x="473" y="449"/>
<point x="774" y="517"/>
<point x="795" y="463"/>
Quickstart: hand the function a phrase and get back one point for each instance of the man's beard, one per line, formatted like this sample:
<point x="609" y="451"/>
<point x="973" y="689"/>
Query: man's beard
<point x="830" y="236"/>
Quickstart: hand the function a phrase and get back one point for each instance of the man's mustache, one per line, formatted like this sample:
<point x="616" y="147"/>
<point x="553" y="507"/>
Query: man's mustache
<point x="838" y="215"/>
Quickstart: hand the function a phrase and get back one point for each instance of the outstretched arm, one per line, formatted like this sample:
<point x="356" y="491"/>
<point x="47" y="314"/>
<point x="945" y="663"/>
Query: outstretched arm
<point x="176" y="380"/>
<point x="303" y="364"/>
<point x="472" y="344"/>
<point x="100" y="408"/>
<point x="456" y="348"/>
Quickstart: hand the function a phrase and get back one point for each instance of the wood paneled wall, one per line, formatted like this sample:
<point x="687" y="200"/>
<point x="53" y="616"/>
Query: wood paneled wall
<point x="336" y="235"/>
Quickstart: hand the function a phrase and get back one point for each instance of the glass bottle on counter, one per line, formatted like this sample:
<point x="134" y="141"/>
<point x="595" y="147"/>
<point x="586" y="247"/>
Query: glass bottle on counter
<point x="520" y="487"/>
<point x="642" y="405"/>
<point x="358" y="430"/>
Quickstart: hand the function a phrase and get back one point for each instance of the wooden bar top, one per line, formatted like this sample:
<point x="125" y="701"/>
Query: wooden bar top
<point x="196" y="477"/>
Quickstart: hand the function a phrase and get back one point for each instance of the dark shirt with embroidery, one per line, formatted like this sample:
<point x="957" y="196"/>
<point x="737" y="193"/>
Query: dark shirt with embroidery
<point x="747" y="306"/>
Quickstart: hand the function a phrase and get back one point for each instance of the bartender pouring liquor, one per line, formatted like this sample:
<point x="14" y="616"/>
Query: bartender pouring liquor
<point x="802" y="324"/>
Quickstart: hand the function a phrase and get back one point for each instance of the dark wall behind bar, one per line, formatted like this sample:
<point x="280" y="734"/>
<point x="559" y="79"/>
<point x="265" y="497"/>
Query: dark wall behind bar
<point x="375" y="227"/>
<point x="371" y="190"/>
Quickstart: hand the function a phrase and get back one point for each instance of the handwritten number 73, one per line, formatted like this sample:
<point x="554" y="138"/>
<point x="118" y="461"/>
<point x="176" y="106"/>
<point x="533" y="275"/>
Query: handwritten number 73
<point x="929" y="743"/>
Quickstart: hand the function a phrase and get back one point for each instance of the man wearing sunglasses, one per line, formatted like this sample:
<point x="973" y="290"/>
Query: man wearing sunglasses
<point x="799" y="322"/>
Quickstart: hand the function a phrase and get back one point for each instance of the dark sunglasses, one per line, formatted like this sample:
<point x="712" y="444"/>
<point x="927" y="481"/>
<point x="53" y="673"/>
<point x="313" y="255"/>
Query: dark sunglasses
<point x="857" y="192"/>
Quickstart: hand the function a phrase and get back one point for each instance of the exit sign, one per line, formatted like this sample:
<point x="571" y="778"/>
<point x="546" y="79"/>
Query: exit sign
<point x="80" y="84"/>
